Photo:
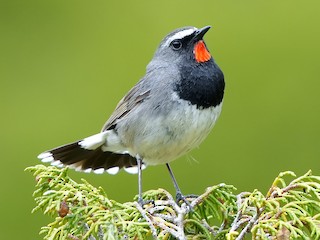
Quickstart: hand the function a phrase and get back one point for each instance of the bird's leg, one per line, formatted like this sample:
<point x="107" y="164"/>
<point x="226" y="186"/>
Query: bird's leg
<point x="140" y="199"/>
<point x="179" y="195"/>
<point x="139" y="162"/>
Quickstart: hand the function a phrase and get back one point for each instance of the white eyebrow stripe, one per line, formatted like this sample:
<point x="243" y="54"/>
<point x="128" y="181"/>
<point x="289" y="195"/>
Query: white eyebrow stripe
<point x="180" y="35"/>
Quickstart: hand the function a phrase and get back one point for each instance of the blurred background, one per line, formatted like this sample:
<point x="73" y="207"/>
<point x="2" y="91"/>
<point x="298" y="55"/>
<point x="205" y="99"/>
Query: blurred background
<point x="64" y="65"/>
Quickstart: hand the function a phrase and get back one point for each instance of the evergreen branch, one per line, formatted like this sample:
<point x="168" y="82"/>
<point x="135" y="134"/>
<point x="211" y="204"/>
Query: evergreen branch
<point x="288" y="211"/>
<point x="81" y="211"/>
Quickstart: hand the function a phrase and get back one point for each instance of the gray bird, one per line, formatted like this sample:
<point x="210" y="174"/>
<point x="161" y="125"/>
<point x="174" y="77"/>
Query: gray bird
<point x="166" y="114"/>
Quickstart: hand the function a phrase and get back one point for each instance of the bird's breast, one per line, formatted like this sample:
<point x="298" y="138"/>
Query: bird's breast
<point x="162" y="137"/>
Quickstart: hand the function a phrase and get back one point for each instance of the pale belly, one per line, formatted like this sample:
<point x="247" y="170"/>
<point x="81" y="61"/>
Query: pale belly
<point x="164" y="139"/>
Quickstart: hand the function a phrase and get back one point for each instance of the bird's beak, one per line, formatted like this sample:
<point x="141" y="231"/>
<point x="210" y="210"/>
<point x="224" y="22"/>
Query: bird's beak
<point x="201" y="32"/>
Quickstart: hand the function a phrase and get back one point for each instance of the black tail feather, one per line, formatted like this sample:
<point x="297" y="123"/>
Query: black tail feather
<point x="74" y="154"/>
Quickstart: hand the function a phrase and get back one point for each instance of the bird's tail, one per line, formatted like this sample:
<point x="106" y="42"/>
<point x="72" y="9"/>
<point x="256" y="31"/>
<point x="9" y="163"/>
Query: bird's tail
<point x="88" y="155"/>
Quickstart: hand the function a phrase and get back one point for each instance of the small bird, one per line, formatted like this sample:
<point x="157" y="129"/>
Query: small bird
<point x="166" y="114"/>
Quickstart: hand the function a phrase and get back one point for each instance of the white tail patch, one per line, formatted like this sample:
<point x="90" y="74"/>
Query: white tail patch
<point x="113" y="170"/>
<point x="78" y="169"/>
<point x="76" y="166"/>
<point x="99" y="171"/>
<point x="46" y="157"/>
<point x="88" y="170"/>
<point x="56" y="163"/>
<point x="134" y="169"/>
<point x="94" y="141"/>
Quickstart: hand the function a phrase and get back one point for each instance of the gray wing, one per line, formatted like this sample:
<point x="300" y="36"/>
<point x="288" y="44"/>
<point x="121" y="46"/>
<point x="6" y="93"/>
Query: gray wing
<point x="133" y="98"/>
<point x="78" y="157"/>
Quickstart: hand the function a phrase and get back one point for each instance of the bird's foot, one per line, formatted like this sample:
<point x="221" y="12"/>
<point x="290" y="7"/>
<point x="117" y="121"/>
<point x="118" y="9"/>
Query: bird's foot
<point x="145" y="202"/>
<point x="184" y="198"/>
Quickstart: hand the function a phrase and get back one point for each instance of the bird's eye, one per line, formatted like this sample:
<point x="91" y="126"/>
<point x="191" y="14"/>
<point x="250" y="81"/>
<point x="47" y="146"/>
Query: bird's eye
<point x="176" y="44"/>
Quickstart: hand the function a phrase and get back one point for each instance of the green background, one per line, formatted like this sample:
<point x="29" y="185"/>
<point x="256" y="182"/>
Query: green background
<point x="64" y="65"/>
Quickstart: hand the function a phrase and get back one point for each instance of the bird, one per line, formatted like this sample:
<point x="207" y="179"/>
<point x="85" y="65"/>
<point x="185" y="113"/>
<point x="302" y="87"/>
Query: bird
<point x="169" y="112"/>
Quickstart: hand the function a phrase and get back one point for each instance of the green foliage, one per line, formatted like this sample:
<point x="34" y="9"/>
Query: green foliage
<point x="81" y="211"/>
<point x="288" y="211"/>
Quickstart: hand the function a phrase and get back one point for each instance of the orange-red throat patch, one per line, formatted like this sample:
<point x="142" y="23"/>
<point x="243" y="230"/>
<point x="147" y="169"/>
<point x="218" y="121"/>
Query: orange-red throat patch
<point x="201" y="53"/>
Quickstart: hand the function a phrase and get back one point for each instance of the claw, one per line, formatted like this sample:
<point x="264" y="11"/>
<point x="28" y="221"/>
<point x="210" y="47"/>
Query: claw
<point x="181" y="197"/>
<point x="145" y="202"/>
